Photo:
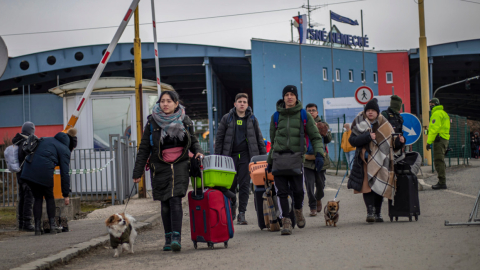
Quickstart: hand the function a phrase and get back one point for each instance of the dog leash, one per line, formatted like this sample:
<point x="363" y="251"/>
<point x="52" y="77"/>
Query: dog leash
<point x="134" y="187"/>
<point x="334" y="199"/>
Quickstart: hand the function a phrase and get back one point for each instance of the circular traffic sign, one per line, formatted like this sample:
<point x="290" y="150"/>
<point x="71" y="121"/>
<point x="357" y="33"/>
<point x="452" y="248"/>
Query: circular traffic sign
<point x="412" y="128"/>
<point x="363" y="94"/>
<point x="3" y="56"/>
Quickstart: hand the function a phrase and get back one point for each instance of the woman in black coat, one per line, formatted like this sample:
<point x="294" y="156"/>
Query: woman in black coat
<point x="166" y="139"/>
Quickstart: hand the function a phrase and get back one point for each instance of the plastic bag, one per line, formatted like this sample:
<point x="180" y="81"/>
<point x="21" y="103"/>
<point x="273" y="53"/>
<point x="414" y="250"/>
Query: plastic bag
<point x="11" y="157"/>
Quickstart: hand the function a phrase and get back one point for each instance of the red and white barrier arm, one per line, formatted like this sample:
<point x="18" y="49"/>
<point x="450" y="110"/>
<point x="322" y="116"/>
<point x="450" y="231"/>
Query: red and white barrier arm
<point x="155" y="45"/>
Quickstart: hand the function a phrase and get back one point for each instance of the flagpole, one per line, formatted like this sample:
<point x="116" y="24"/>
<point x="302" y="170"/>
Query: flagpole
<point x="331" y="51"/>
<point x="363" y="51"/>
<point x="300" y="49"/>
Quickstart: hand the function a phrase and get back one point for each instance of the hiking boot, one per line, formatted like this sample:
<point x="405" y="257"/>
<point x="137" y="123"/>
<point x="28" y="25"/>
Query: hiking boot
<point x="319" y="206"/>
<point x="168" y="242"/>
<point x="54" y="229"/>
<point x="241" y="219"/>
<point x="176" y="241"/>
<point x="27" y="225"/>
<point x="378" y="217"/>
<point x="313" y="212"/>
<point x="370" y="214"/>
<point x="287" y="226"/>
<point x="300" y="218"/>
<point x="439" y="186"/>
<point x="38" y="227"/>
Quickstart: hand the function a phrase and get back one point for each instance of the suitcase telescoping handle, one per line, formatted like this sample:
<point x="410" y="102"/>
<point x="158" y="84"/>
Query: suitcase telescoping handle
<point x="201" y="177"/>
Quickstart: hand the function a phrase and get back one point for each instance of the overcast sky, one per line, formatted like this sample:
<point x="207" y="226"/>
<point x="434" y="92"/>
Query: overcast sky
<point x="390" y="24"/>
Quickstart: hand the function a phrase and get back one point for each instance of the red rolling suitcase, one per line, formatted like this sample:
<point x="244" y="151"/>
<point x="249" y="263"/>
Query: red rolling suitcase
<point x="210" y="216"/>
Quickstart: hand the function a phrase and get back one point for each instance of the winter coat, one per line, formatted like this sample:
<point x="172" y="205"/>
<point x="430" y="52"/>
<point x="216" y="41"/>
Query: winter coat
<point x="170" y="179"/>
<point x="287" y="136"/>
<point x="346" y="146"/>
<point x="224" y="140"/>
<point x="18" y="140"/>
<point x="40" y="166"/>
<point x="394" y="118"/>
<point x="310" y="164"/>
<point x="439" y="124"/>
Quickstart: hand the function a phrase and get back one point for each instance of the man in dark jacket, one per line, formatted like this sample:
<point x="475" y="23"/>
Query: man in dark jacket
<point x="393" y="114"/>
<point x="286" y="137"/>
<point x="38" y="171"/>
<point x="239" y="137"/>
<point x="25" y="197"/>
<point x="313" y="178"/>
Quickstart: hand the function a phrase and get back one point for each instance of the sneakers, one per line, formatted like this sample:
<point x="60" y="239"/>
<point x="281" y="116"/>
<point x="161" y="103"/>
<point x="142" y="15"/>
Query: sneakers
<point x="176" y="241"/>
<point x="319" y="206"/>
<point x="439" y="186"/>
<point x="370" y="214"/>
<point x="168" y="242"/>
<point x="287" y="227"/>
<point x="313" y="212"/>
<point x="241" y="219"/>
<point x="300" y="218"/>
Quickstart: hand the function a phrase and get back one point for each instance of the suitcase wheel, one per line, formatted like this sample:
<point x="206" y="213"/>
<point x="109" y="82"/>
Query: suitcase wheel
<point x="416" y="217"/>
<point x="396" y="218"/>
<point x="225" y="244"/>
<point x="410" y="218"/>
<point x="195" y="244"/>
<point x="391" y="219"/>
<point x="210" y="245"/>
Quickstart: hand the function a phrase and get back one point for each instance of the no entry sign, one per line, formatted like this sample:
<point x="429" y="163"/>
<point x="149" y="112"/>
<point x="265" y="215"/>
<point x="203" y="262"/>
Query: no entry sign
<point x="363" y="95"/>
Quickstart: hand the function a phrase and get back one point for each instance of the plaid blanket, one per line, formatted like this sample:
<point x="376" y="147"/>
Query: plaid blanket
<point x="381" y="174"/>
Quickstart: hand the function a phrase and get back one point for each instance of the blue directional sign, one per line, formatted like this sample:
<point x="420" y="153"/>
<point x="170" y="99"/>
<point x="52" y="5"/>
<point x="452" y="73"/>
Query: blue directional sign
<point x="412" y="128"/>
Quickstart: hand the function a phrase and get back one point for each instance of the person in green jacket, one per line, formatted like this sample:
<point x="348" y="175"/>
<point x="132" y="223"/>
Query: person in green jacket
<point x="285" y="137"/>
<point x="314" y="178"/>
<point x="438" y="134"/>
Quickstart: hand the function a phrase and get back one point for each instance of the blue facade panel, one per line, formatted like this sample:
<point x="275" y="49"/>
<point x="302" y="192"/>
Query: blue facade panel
<point x="275" y="65"/>
<point x="45" y="109"/>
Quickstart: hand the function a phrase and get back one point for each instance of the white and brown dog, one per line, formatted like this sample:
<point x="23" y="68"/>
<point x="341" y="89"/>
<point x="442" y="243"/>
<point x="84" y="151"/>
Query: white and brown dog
<point x="122" y="233"/>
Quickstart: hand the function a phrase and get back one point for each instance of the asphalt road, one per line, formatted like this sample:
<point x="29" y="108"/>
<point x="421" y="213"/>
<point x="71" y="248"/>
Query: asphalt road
<point x="353" y="244"/>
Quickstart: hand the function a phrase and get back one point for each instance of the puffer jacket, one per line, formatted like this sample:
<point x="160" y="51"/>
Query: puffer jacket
<point x="170" y="179"/>
<point x="40" y="166"/>
<point x="310" y="164"/>
<point x="224" y="139"/>
<point x="287" y="136"/>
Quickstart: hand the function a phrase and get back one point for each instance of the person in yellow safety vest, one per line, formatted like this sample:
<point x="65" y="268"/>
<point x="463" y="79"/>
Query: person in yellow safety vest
<point x="438" y="134"/>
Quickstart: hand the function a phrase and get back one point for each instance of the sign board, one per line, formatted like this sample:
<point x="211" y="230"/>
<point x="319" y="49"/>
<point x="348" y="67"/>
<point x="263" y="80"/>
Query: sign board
<point x="412" y="128"/>
<point x="335" y="108"/>
<point x="363" y="94"/>
<point x="3" y="56"/>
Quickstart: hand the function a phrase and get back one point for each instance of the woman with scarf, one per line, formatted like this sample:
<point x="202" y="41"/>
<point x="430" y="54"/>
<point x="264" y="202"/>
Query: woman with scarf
<point x="372" y="172"/>
<point x="167" y="137"/>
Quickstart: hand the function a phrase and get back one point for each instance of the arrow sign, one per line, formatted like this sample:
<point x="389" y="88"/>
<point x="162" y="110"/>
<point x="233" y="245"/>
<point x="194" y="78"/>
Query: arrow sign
<point x="412" y="128"/>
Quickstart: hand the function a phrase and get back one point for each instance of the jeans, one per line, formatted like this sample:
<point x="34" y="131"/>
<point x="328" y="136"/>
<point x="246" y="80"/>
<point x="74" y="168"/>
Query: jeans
<point x="350" y="156"/>
<point x="242" y="180"/>
<point x="25" y="201"/>
<point x="314" y="179"/>
<point x="39" y="192"/>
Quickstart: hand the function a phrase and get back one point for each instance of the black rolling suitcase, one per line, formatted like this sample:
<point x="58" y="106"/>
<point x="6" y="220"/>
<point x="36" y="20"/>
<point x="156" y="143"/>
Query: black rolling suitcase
<point x="406" y="202"/>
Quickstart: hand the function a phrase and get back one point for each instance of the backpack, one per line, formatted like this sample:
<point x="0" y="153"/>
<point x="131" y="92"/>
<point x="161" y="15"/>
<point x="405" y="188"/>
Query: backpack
<point x="30" y="145"/>
<point x="11" y="157"/>
<point x="303" y="115"/>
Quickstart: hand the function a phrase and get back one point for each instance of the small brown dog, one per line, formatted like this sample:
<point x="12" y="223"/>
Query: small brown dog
<point x="331" y="213"/>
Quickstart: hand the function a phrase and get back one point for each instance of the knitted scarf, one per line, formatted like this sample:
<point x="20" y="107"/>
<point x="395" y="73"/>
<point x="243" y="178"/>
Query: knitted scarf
<point x="172" y="124"/>
<point x="381" y="175"/>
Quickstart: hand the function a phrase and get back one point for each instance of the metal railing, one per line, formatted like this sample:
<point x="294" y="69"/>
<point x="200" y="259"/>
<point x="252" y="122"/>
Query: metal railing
<point x="9" y="186"/>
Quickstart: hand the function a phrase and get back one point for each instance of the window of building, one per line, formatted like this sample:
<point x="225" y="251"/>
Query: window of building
<point x="363" y="76"/>
<point x="375" y="77"/>
<point x="325" y="74"/>
<point x="110" y="116"/>
<point x="350" y="75"/>
<point x="389" y="77"/>
<point x="337" y="75"/>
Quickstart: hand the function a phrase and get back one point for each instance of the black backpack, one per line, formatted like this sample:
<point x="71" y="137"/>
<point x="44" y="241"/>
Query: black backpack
<point x="30" y="145"/>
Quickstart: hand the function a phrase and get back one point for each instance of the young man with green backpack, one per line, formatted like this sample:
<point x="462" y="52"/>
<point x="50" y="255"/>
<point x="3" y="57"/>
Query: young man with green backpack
<point x="291" y="129"/>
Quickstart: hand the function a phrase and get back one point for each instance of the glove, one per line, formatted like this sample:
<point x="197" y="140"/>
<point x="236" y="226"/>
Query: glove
<point x="319" y="162"/>
<point x="269" y="168"/>
<point x="429" y="146"/>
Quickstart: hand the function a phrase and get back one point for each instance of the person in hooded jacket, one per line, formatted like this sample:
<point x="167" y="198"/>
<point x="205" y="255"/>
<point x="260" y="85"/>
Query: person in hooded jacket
<point x="172" y="137"/>
<point x="372" y="171"/>
<point x="38" y="171"/>
<point x="239" y="137"/>
<point x="25" y="196"/>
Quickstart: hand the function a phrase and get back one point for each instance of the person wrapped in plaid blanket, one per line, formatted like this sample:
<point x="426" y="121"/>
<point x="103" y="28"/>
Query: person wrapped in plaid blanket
<point x="372" y="173"/>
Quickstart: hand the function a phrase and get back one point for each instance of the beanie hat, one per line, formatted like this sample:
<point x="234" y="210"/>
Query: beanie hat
<point x="372" y="104"/>
<point x="435" y="101"/>
<point x="28" y="128"/>
<point x="396" y="103"/>
<point x="290" y="88"/>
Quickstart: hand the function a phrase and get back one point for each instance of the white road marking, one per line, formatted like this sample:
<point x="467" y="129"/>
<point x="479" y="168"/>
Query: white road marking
<point x="447" y="190"/>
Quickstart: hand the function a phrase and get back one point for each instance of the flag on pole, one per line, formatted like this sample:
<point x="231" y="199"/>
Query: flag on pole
<point x="342" y="19"/>
<point x="301" y="24"/>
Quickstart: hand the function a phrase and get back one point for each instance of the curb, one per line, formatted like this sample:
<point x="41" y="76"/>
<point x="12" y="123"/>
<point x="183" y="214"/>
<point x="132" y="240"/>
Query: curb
<point x="78" y="249"/>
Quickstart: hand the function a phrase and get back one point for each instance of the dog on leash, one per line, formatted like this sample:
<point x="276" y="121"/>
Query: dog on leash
<point x="122" y="233"/>
<point x="331" y="213"/>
